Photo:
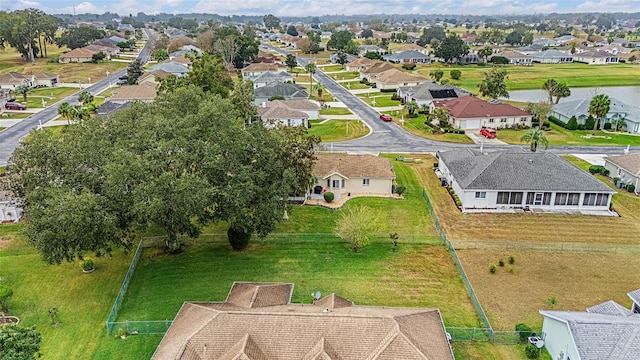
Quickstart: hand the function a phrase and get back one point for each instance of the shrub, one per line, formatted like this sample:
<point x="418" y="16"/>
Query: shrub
<point x="604" y="171"/>
<point x="595" y="169"/>
<point x="492" y="269"/>
<point x="552" y="300"/>
<point x="87" y="264"/>
<point x="572" y="124"/>
<point x="455" y="74"/>
<point x="631" y="188"/>
<point x="582" y="127"/>
<point x="400" y="189"/>
<point x="5" y="295"/>
<point x="512" y="270"/>
<point x="589" y="123"/>
<point x="501" y="262"/>
<point x="408" y="66"/>
<point x="499" y="60"/>
<point x="607" y="126"/>
<point x="482" y="63"/>
<point x="557" y="121"/>
<point x="512" y="259"/>
<point x="239" y="239"/>
<point x="524" y="331"/>
<point x="435" y="164"/>
<point x="328" y="196"/>
<point x="531" y="351"/>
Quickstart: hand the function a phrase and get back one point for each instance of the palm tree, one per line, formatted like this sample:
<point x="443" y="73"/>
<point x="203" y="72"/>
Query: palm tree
<point x="411" y="107"/>
<point x="573" y="47"/>
<point x="22" y="90"/>
<point x="85" y="98"/>
<point x="485" y="52"/>
<point x="548" y="86"/>
<point x="561" y="90"/>
<point x="535" y="137"/>
<point x="64" y="110"/>
<point x="310" y="68"/>
<point x="599" y="108"/>
<point x="619" y="123"/>
<point x="319" y="88"/>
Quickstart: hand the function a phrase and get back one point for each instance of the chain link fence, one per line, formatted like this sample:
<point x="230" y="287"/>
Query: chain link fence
<point x="123" y="288"/>
<point x="147" y="327"/>
<point x="547" y="246"/>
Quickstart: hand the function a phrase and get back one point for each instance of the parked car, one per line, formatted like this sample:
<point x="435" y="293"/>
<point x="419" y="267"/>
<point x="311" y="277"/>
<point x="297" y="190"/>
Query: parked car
<point x="122" y="82"/>
<point x="385" y="117"/>
<point x="15" y="106"/>
<point x="488" y="133"/>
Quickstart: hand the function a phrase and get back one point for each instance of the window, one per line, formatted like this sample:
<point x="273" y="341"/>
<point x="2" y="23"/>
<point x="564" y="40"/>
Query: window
<point x="523" y="119"/>
<point x="503" y="120"/>
<point x="336" y="184"/>
<point x="538" y="198"/>
<point x="328" y="183"/>
<point x="571" y="199"/>
<point x="343" y="183"/>
<point x="490" y="120"/>
<point x="365" y="182"/>
<point x="481" y="194"/>
<point x="593" y="199"/>
<point x="510" y="198"/>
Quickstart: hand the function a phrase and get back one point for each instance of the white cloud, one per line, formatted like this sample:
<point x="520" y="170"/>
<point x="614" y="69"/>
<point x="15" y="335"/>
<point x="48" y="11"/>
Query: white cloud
<point x="609" y="6"/>
<point x="20" y="4"/>
<point x="168" y="3"/>
<point x="82" y="8"/>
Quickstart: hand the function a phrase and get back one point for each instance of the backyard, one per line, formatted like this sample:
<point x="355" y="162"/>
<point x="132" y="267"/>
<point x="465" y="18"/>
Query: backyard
<point x="561" y="136"/>
<point x="337" y="130"/>
<point x="416" y="127"/>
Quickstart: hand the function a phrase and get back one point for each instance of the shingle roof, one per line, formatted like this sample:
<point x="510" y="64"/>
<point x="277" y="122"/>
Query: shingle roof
<point x="79" y="53"/>
<point x="629" y="162"/>
<point x="263" y="67"/>
<point x="280" y="112"/>
<point x="171" y="67"/>
<point x="145" y="91"/>
<point x="304" y="331"/>
<point x="430" y="91"/>
<point x="635" y="296"/>
<point x="409" y="54"/>
<point x="378" y="68"/>
<point x="288" y="91"/>
<point x="519" y="170"/>
<point x="12" y="78"/>
<point x="353" y="166"/>
<point x="407" y="47"/>
<point x="551" y="54"/>
<point x="363" y="61"/>
<point x="255" y="295"/>
<point x="296" y="104"/>
<point x="397" y="76"/>
<point x="45" y="75"/>
<point x="267" y="77"/>
<point x="512" y="55"/>
<point x="109" y="106"/>
<point x="472" y="107"/>
<point x="580" y="107"/>
<point x="610" y="308"/>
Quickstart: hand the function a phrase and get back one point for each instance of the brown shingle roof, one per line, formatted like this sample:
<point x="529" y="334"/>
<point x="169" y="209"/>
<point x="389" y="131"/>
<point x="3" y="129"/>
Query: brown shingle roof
<point x="472" y="107"/>
<point x="45" y="75"/>
<point x="145" y="91"/>
<point x="79" y="53"/>
<point x="153" y="74"/>
<point x="408" y="47"/>
<point x="263" y="67"/>
<point x="629" y="162"/>
<point x="296" y="104"/>
<point x="364" y="165"/>
<point x="378" y="68"/>
<point x="280" y="112"/>
<point x="363" y="61"/>
<point x="182" y="59"/>
<point x="12" y="78"/>
<point x="297" y="331"/>
<point x="397" y="76"/>
<point x="254" y="295"/>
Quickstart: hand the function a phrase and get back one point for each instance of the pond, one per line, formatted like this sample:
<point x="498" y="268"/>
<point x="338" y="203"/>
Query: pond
<point x="627" y="94"/>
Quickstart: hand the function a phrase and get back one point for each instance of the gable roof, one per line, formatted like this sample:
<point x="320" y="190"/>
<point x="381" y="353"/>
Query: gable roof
<point x="156" y="74"/>
<point x="377" y="68"/>
<point x="433" y="91"/>
<point x="594" y="54"/>
<point x="109" y="106"/>
<point x="394" y="76"/>
<point x="363" y="61"/>
<point x="145" y="91"/>
<point x="580" y="107"/>
<point x="280" y="89"/>
<point x="472" y="107"/>
<point x="630" y="162"/>
<point x="170" y="67"/>
<point x="264" y="67"/>
<point x="45" y="75"/>
<point x="512" y="55"/>
<point x="267" y="77"/>
<point x="407" y="47"/>
<point x="303" y="105"/>
<point x="518" y="171"/>
<point x="359" y="166"/>
<point x="79" y="53"/>
<point x="551" y="54"/>
<point x="280" y="112"/>
<point x="13" y="78"/>
<point x="219" y="331"/>
<point x="409" y="54"/>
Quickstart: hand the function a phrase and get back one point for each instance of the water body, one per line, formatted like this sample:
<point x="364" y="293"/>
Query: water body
<point x="627" y="94"/>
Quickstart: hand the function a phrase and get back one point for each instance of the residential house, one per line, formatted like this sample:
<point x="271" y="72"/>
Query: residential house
<point x="408" y="57"/>
<point x="580" y="109"/>
<point x="280" y="90"/>
<point x="411" y="47"/>
<point x="595" y="57"/>
<point x="626" y="168"/>
<point x="13" y="79"/>
<point x="182" y="59"/>
<point x="394" y="78"/>
<point x="266" y="78"/>
<point x="564" y="39"/>
<point x="258" y="321"/>
<point x="606" y="331"/>
<point x="470" y="39"/>
<point x="44" y="79"/>
<point x="363" y="49"/>
<point x="551" y="57"/>
<point x="516" y="58"/>
<point x="375" y="69"/>
<point x="470" y="113"/>
<point x="545" y="42"/>
<point x="10" y="211"/>
<point x="615" y="49"/>
<point x="288" y="112"/>
<point x="173" y="68"/>
<point x="186" y="50"/>
<point x="346" y="175"/>
<point x="427" y="92"/>
<point x="333" y="58"/>
<point x="145" y="92"/>
<point x="108" y="107"/>
<point x="108" y="50"/>
<point x="255" y="69"/>
<point x="513" y="180"/>
<point x="77" y="56"/>
<point x="115" y="40"/>
<point x="153" y="77"/>
<point x="530" y="49"/>
<point x="360" y="64"/>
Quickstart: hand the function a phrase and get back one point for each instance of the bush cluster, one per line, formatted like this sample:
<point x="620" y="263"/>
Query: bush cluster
<point x="329" y="196"/>
<point x="572" y="124"/>
<point x="408" y="66"/>
<point x="399" y="189"/>
<point x="454" y="131"/>
<point x="524" y="330"/>
<point x="598" y="169"/>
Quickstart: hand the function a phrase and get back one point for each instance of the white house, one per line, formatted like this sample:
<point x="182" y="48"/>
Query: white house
<point x="347" y="175"/>
<point x="595" y="57"/>
<point x="9" y="209"/>
<point x="617" y="110"/>
<point x="510" y="180"/>
<point x="624" y="167"/>
<point x="428" y="92"/>
<point x="551" y="56"/>
<point x="469" y="112"/>
<point x="607" y="331"/>
<point x="288" y="112"/>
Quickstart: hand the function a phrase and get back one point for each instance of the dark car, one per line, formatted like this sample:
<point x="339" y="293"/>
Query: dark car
<point x="385" y="117"/>
<point x="15" y="106"/>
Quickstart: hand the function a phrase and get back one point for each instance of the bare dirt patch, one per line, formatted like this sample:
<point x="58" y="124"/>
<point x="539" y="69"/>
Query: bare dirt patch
<point x="5" y="241"/>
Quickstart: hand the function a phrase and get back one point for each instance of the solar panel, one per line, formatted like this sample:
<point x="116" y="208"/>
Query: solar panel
<point x="443" y="94"/>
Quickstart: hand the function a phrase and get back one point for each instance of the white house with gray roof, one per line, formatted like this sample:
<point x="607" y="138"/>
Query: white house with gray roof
<point x="408" y="57"/>
<point x="265" y="78"/>
<point x="521" y="180"/>
<point x="626" y="168"/>
<point x="427" y="92"/>
<point x="580" y="109"/>
<point x="607" y="331"/>
<point x="280" y="90"/>
<point x="551" y="56"/>
<point x="172" y="67"/>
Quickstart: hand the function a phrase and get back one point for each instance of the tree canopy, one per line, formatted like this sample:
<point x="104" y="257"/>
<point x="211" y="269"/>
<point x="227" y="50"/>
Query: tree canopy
<point x="80" y="36"/>
<point x="493" y="85"/>
<point x="179" y="163"/>
<point x="452" y="47"/>
<point x="271" y="21"/>
<point x="25" y="30"/>
<point x="339" y="40"/>
<point x="19" y="343"/>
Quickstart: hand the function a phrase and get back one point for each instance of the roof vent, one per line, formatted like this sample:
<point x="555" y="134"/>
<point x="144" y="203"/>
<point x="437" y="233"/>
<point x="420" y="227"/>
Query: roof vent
<point x="530" y="161"/>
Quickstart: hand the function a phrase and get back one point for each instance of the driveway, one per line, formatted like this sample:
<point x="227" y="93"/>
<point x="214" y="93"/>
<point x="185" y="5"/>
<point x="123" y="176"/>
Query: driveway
<point x="479" y="139"/>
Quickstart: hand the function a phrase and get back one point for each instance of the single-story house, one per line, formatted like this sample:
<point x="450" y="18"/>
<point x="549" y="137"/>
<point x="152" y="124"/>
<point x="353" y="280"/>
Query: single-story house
<point x="182" y="59"/>
<point x="108" y="50"/>
<point x="551" y="56"/>
<point x="153" y="77"/>
<point x="360" y="64"/>
<point x="411" y="47"/>
<point x="363" y="49"/>
<point x="370" y="72"/>
<point x="606" y="331"/>
<point x="530" y="49"/>
<point x="580" y="109"/>
<point x="13" y="79"/>
<point x="174" y="68"/>
<point x="625" y="167"/>
<point x="77" y="55"/>
<point x="186" y="49"/>
<point x="408" y="57"/>
<point x="44" y="79"/>
<point x="545" y="42"/>
<point x="258" y="321"/>
<point x="286" y="112"/>
<point x="427" y="92"/>
<point x="255" y="69"/>
<point x="311" y="108"/>
<point x="145" y="92"/>
<point x="344" y="174"/>
<point x="469" y="112"/>
<point x="333" y="58"/>
<point x="516" y="58"/>
<point x="9" y="209"/>
<point x="277" y="89"/>
<point x="394" y="78"/>
<point x="595" y="57"/>
<point x="509" y="180"/>
<point x="265" y="78"/>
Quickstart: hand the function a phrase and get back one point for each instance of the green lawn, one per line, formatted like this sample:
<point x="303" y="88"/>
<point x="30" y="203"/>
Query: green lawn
<point x="532" y="77"/>
<point x="345" y="76"/>
<point x="561" y="136"/>
<point x="50" y="95"/>
<point x="416" y="127"/>
<point x="354" y="85"/>
<point x="382" y="100"/>
<point x="335" y="111"/>
<point x="14" y="115"/>
<point x="336" y="130"/>
<point x="331" y="68"/>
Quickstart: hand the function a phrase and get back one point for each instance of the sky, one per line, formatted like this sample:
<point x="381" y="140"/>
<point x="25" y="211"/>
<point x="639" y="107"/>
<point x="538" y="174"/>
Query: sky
<point x="324" y="7"/>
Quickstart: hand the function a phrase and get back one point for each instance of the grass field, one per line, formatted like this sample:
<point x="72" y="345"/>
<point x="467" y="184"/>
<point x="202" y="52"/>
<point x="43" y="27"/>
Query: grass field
<point x="336" y="130"/>
<point x="532" y="77"/>
<point x="561" y="136"/>
<point x="331" y="68"/>
<point x="416" y="127"/>
<point x="382" y="100"/>
<point x="345" y="76"/>
<point x="14" y="115"/>
<point x="488" y="351"/>
<point x="335" y="111"/>
<point x="354" y="85"/>
<point x="50" y="95"/>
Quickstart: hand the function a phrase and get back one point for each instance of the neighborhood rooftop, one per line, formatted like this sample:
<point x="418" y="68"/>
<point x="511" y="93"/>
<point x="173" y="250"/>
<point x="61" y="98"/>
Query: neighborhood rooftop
<point x="364" y="165"/>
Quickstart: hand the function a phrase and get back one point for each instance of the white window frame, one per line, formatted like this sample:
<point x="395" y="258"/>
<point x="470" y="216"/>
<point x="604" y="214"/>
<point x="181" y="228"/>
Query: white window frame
<point x="365" y="182"/>
<point x="481" y="194"/>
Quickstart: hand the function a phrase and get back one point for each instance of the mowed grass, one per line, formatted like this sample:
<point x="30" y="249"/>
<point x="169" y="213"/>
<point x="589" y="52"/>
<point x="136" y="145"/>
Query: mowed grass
<point x="561" y="136"/>
<point x="83" y="300"/>
<point x="335" y="111"/>
<point x="337" y="130"/>
<point x="354" y="85"/>
<point x="50" y="95"/>
<point x="382" y="100"/>
<point x="416" y="127"/>
<point x="532" y="77"/>
<point x="533" y="227"/>
<point x="489" y="351"/>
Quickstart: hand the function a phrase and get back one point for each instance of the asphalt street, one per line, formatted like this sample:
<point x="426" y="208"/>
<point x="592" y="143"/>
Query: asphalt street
<point x="10" y="138"/>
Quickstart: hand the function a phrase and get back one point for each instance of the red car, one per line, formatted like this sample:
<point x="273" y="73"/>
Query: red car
<point x="14" y="106"/>
<point x="488" y="133"/>
<point x="385" y="117"/>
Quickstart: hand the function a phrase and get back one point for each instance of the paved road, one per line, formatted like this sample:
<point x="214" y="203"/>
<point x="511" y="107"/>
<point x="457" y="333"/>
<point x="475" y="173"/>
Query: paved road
<point x="390" y="137"/>
<point x="10" y="138"/>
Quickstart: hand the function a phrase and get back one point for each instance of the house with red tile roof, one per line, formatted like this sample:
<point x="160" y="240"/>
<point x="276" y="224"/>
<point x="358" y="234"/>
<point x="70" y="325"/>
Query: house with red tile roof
<point x="469" y="112"/>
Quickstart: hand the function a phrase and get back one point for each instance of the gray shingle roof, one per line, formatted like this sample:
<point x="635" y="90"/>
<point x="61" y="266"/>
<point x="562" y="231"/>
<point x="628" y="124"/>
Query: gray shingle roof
<point x="580" y="107"/>
<point x="288" y="91"/>
<point x="170" y="67"/>
<point x="634" y="296"/>
<point x="267" y="77"/>
<point x="409" y="54"/>
<point x="509" y="170"/>
<point x="609" y="308"/>
<point x="432" y="91"/>
<point x="551" y="54"/>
